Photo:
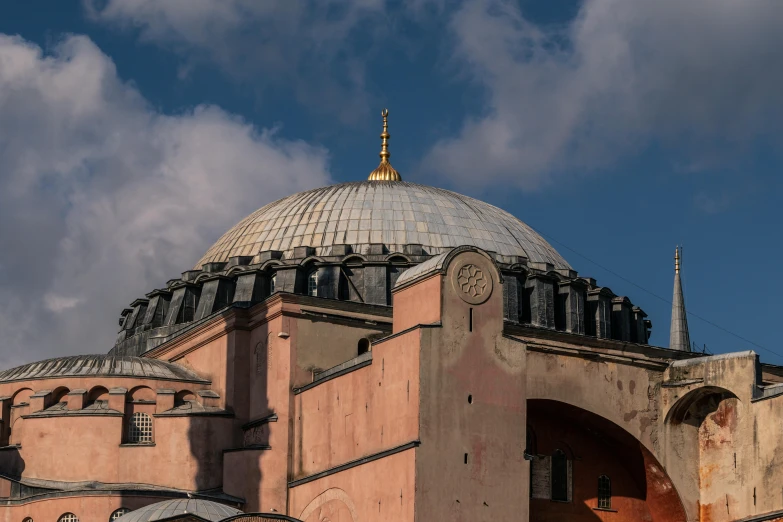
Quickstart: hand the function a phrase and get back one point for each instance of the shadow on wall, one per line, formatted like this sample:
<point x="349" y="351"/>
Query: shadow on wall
<point x="585" y="468"/>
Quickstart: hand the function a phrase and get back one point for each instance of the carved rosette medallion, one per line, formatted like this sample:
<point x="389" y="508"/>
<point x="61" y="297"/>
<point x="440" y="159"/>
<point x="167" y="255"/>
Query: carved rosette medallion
<point x="472" y="283"/>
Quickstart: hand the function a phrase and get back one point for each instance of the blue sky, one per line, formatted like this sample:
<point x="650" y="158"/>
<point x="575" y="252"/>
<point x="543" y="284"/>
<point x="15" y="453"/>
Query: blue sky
<point x="133" y="133"/>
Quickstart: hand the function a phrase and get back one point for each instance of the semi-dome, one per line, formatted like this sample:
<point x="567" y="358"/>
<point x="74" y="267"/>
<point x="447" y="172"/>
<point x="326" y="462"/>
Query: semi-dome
<point x="103" y="365"/>
<point x="394" y="214"/>
<point x="168" y="509"/>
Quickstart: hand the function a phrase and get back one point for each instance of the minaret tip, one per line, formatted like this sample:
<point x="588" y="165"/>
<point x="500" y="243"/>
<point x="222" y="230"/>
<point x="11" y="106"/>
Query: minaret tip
<point x="679" y="337"/>
<point x="677" y="253"/>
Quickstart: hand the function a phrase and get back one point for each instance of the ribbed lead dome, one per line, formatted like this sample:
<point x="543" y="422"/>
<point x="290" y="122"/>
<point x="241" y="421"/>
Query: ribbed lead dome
<point x="204" y="509"/>
<point x="393" y="213"/>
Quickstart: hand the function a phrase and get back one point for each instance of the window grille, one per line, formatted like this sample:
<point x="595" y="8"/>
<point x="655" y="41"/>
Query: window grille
<point x="28" y="519"/>
<point x="604" y="492"/>
<point x="140" y="429"/>
<point x="68" y="517"/>
<point x="272" y="284"/>
<point x="559" y="476"/>
<point x="312" y="283"/>
<point x="117" y="514"/>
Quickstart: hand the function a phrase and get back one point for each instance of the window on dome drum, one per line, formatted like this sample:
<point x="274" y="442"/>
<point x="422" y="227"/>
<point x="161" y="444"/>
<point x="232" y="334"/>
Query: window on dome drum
<point x="272" y="284"/>
<point x="68" y="517"/>
<point x="312" y="283"/>
<point x="604" y="492"/>
<point x="140" y="429"/>
<point x="117" y="514"/>
<point x="559" y="476"/>
<point x="28" y="519"/>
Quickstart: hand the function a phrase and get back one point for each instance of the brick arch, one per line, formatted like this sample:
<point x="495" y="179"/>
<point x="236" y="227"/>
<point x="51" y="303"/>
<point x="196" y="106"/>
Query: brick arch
<point x="331" y="500"/>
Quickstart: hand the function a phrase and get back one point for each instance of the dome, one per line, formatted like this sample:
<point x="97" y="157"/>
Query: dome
<point x="93" y="365"/>
<point x="205" y="509"/>
<point x="391" y="213"/>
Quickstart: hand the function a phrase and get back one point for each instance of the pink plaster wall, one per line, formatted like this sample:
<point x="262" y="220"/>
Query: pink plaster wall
<point x="417" y="304"/>
<point x="363" y="412"/>
<point x="381" y="491"/>
<point x="470" y="464"/>
<point x="92" y="508"/>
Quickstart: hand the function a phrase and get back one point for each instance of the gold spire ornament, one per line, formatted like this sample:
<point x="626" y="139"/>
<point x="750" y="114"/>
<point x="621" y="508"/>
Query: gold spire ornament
<point x="677" y="260"/>
<point x="385" y="172"/>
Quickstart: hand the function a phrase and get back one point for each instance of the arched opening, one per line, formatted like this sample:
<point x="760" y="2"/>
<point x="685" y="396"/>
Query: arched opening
<point x="138" y="421"/>
<point x="184" y="398"/>
<point x="68" y="517"/>
<point x="98" y="399"/>
<point x="363" y="346"/>
<point x="20" y="405"/>
<point x="575" y="447"/>
<point x="59" y="394"/>
<point x="118" y="513"/>
<point x="273" y="283"/>
<point x="700" y="454"/>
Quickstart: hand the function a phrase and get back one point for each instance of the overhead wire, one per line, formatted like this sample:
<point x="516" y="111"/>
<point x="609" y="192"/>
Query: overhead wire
<point x="609" y="270"/>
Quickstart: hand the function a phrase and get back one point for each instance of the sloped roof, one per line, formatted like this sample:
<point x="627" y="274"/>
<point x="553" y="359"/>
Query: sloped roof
<point x="104" y="365"/>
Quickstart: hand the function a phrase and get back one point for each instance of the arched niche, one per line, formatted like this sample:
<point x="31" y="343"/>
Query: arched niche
<point x="96" y="394"/>
<point x="700" y="429"/>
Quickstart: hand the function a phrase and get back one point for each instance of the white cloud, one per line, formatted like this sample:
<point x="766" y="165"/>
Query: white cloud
<point x="701" y="78"/>
<point x="102" y="198"/>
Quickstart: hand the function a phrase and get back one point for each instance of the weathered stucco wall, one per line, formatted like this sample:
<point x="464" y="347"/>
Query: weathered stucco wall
<point x="361" y="413"/>
<point x="470" y="464"/>
<point x="723" y="444"/>
<point x="382" y="490"/>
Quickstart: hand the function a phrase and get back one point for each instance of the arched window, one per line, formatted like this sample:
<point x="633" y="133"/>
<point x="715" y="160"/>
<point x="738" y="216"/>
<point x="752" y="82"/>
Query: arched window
<point x="312" y="283"/>
<point x="68" y="517"/>
<point x="140" y="429"/>
<point x="117" y="514"/>
<point x="364" y="345"/>
<point x="28" y="519"/>
<point x="559" y="476"/>
<point x="272" y="284"/>
<point x="604" y="492"/>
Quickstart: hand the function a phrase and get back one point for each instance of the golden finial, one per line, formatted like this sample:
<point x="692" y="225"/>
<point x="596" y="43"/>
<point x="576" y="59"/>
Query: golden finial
<point x="677" y="251"/>
<point x="385" y="172"/>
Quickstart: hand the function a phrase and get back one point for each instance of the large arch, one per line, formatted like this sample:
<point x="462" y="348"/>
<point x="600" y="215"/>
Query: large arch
<point x="699" y="429"/>
<point x="595" y="447"/>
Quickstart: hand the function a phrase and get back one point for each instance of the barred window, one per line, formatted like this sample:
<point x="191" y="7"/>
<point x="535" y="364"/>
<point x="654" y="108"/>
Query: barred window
<point x="28" y="519"/>
<point x="117" y="514"/>
<point x="604" y="492"/>
<point x="312" y="283"/>
<point x="68" y="517"/>
<point x="140" y="429"/>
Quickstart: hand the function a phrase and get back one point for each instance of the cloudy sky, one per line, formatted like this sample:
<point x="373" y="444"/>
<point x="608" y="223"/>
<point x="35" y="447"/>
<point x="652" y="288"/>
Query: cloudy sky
<point x="134" y="132"/>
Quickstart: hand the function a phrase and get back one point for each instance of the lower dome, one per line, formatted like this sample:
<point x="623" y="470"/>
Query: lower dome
<point x="375" y="212"/>
<point x="204" y="509"/>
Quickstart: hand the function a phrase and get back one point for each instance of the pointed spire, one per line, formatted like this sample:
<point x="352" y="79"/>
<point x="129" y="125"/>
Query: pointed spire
<point x="385" y="172"/>
<point x="679" y="338"/>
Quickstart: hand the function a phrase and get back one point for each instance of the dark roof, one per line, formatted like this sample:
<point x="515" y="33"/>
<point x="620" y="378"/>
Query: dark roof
<point x="103" y="365"/>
